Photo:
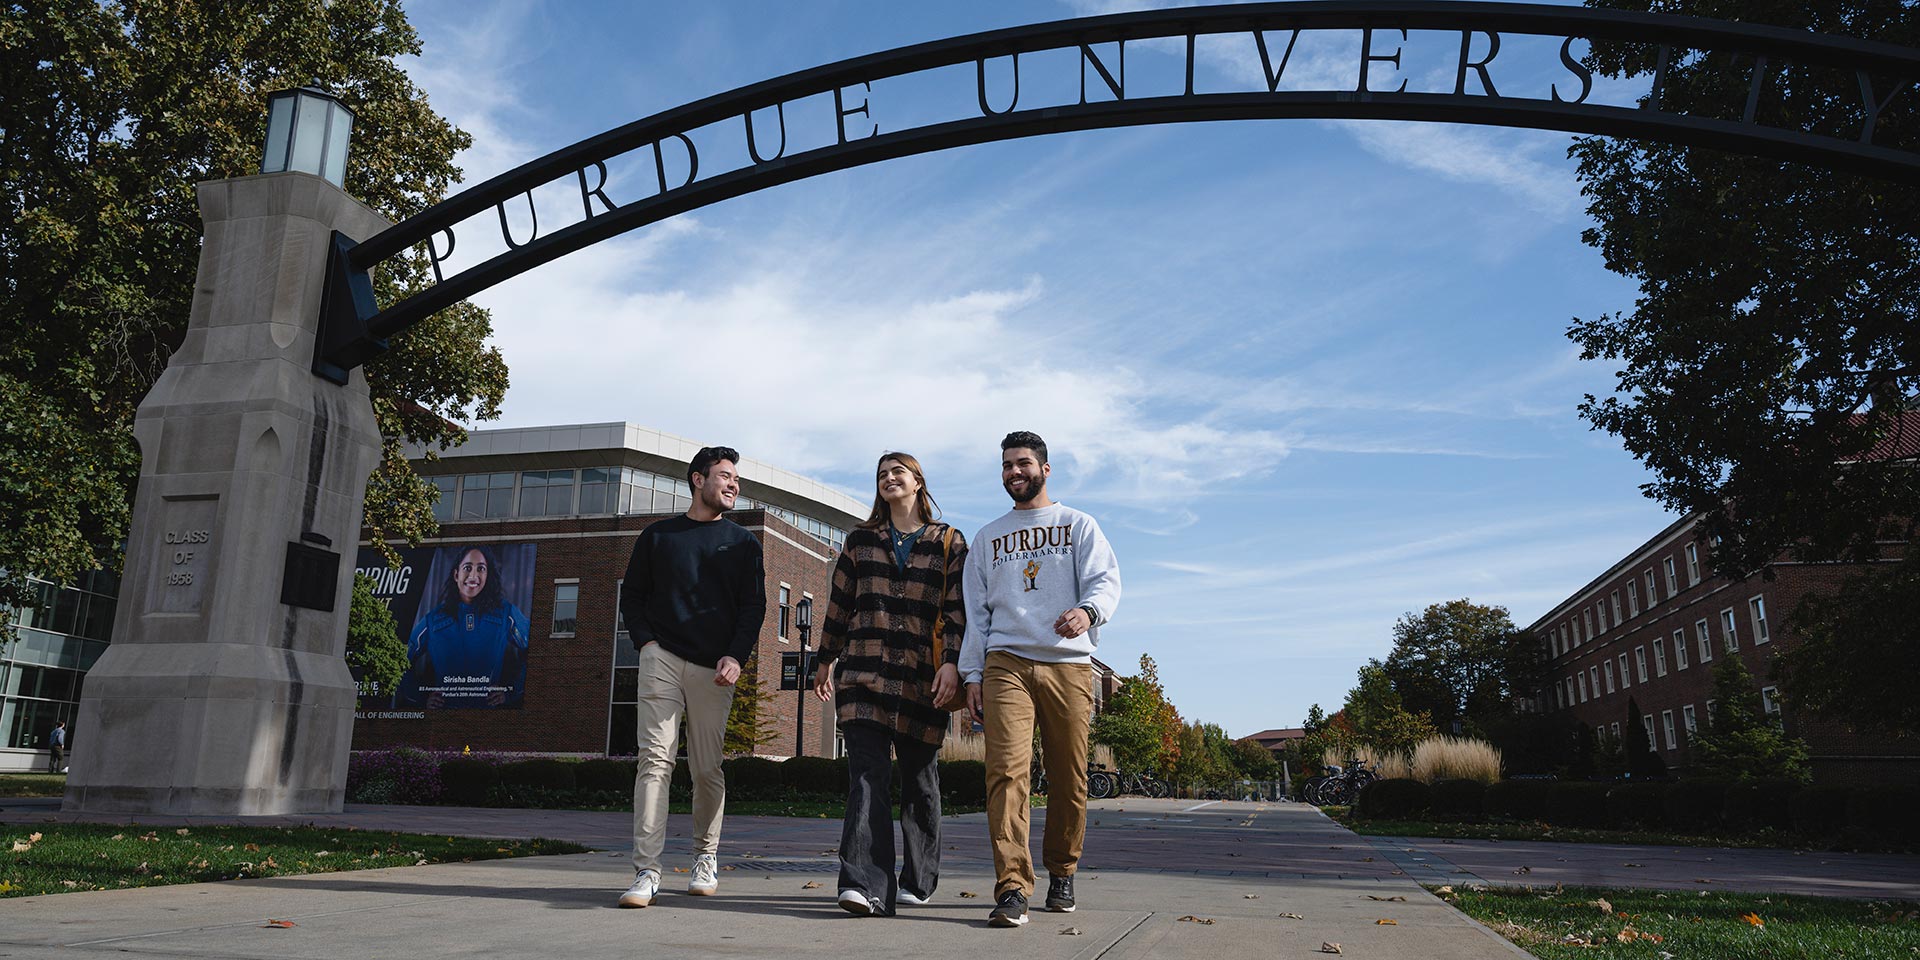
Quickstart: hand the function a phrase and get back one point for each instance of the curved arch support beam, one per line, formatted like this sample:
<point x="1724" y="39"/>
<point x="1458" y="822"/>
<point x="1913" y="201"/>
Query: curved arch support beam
<point x="1886" y="75"/>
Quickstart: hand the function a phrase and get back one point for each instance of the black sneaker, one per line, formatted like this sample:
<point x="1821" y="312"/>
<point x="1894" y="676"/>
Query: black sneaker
<point x="1011" y="911"/>
<point x="1059" y="894"/>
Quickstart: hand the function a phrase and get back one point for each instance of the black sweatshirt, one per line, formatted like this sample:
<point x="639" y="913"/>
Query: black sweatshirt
<point x="697" y="589"/>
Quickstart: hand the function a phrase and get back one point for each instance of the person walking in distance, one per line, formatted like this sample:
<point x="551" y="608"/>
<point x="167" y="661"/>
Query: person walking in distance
<point x="58" y="741"/>
<point x="693" y="598"/>
<point x="893" y="629"/>
<point x="1039" y="583"/>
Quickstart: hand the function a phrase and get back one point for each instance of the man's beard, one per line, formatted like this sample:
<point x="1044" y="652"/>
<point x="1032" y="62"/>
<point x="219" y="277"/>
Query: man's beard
<point x="1034" y="488"/>
<point x="713" y="500"/>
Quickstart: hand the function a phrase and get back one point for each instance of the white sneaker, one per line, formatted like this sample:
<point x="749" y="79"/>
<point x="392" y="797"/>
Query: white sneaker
<point x="906" y="896"/>
<point x="645" y="885"/>
<point x="856" y="903"/>
<point x="706" y="876"/>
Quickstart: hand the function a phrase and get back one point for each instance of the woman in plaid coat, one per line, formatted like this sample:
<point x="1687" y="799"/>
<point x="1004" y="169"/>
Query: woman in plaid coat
<point x="897" y="579"/>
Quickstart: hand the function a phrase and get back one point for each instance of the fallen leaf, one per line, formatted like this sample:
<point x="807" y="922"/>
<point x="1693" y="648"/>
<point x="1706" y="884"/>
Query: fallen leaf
<point x="1329" y="947"/>
<point x="684" y="870"/>
<point x="810" y="885"/>
<point x="1070" y="932"/>
<point x="33" y="838"/>
<point x="1190" y="918"/>
<point x="21" y="846"/>
<point x="1385" y="922"/>
<point x="69" y="884"/>
<point x="967" y="895"/>
<point x="1291" y="916"/>
<point x="1700" y="880"/>
<point x="1523" y="870"/>
<point x="118" y="836"/>
<point x="1604" y="906"/>
<point x="1753" y="919"/>
<point x="1630" y="864"/>
<point x="1392" y="899"/>
<point x="1249" y="896"/>
<point x="251" y="848"/>
<point x="183" y="831"/>
<point x="1445" y="891"/>
<point x="280" y="924"/>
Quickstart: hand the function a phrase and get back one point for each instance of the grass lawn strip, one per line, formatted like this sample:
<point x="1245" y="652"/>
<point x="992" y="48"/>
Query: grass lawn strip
<point x="33" y="784"/>
<point x="1542" y="831"/>
<point x="1598" y="923"/>
<point x="72" y="857"/>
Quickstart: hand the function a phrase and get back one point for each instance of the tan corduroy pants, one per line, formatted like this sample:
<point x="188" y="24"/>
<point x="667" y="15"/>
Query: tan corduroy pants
<point x="668" y="686"/>
<point x="1018" y="694"/>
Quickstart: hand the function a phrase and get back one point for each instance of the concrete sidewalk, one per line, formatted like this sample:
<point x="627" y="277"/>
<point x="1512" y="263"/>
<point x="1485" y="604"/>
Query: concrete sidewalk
<point x="1167" y="870"/>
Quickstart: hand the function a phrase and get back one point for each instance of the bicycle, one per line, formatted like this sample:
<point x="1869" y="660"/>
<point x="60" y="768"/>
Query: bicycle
<point x="1342" y="785"/>
<point x="1141" y="784"/>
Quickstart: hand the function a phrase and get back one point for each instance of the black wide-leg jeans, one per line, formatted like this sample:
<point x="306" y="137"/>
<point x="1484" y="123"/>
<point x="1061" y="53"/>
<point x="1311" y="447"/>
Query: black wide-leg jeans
<point x="866" y="840"/>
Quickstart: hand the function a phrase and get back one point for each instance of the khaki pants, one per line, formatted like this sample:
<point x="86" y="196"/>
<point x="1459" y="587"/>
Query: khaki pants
<point x="1019" y="693"/>
<point x="668" y="687"/>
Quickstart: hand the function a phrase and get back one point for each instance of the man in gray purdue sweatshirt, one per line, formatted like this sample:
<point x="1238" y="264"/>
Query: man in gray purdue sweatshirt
<point x="1039" y="583"/>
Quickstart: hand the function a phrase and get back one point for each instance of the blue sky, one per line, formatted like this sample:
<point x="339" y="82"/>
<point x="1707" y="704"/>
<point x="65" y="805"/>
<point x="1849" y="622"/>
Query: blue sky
<point x="1310" y="375"/>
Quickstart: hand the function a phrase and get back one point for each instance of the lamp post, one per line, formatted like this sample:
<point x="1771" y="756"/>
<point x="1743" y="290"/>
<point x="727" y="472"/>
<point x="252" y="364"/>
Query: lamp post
<point x="307" y="130"/>
<point x="803" y="618"/>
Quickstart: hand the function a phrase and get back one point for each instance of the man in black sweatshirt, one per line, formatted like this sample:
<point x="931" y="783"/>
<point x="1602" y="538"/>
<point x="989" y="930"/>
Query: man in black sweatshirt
<point x="693" y="598"/>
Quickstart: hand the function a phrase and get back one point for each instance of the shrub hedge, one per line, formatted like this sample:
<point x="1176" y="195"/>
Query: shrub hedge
<point x="1819" y="811"/>
<point x="963" y="783"/>
<point x="1696" y="805"/>
<point x="752" y="778"/>
<point x="1577" y="804"/>
<point x="546" y="773"/>
<point x="1457" y="799"/>
<point x="1761" y="804"/>
<point x="1641" y="804"/>
<point x="605" y="775"/>
<point x="814" y="776"/>
<point x="1883" y="816"/>
<point x="465" y="781"/>
<point x="1396" y="799"/>
<point x="1521" y="800"/>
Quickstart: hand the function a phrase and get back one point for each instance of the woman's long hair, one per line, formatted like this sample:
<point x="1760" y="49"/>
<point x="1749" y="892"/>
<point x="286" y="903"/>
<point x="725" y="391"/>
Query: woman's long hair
<point x="490" y="598"/>
<point x="922" y="500"/>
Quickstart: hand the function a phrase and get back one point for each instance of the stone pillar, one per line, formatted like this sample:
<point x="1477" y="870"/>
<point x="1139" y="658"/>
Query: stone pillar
<point x="216" y="697"/>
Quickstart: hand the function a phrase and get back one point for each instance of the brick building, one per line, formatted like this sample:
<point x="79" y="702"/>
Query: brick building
<point x="579" y="496"/>
<point x="1656" y="623"/>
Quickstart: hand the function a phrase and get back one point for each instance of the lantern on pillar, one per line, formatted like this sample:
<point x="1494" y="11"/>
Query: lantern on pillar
<point x="307" y="130"/>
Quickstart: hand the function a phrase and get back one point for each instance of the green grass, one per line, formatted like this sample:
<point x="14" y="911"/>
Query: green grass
<point x="1572" y="922"/>
<point x="71" y="857"/>
<point x="32" y="784"/>
<point x="1541" y="831"/>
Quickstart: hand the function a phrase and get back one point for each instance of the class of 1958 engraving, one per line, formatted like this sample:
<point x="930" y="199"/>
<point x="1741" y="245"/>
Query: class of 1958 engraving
<point x="186" y="542"/>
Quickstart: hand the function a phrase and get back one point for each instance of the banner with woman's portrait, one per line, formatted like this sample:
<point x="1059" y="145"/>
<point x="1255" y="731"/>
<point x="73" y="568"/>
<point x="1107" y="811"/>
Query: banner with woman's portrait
<point x="463" y="612"/>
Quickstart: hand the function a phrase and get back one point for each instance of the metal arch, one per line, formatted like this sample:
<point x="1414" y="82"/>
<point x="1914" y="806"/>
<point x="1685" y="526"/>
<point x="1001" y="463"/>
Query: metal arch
<point x="353" y="332"/>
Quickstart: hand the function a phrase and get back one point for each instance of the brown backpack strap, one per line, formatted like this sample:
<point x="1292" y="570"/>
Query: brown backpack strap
<point x="940" y="602"/>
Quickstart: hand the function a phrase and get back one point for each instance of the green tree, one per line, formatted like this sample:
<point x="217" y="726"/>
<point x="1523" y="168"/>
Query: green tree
<point x="1642" y="761"/>
<point x="376" y="653"/>
<point x="1858" y="650"/>
<point x="1379" y="719"/>
<point x="1740" y="741"/>
<point x="1139" y="723"/>
<point x="748" y="723"/>
<point x="1769" y="369"/>
<point x="1251" y="761"/>
<point x="110" y="113"/>
<point x="1461" y="661"/>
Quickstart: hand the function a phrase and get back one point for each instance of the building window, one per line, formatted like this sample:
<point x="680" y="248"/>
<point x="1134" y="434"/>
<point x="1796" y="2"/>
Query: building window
<point x="1652" y="597"/>
<point x="623" y="696"/>
<point x="486" y="496"/>
<point x="1659" y="656"/>
<point x="1757" y="609"/>
<point x="1679" y="649"/>
<point x="1646" y="720"/>
<point x="786" y="610"/>
<point x="566" y="607"/>
<point x="1727" y="635"/>
<point x="1559" y="696"/>
<point x="1666" y="727"/>
<point x="1623" y="672"/>
<point x="1706" y="640"/>
<point x="1616" y="608"/>
<point x="1586" y="617"/>
<point x="1615" y="730"/>
<point x="1640" y="662"/>
<point x="1711" y="711"/>
<point x="1770" y="704"/>
<point x="1673" y="582"/>
<point x="443" y="507"/>
<point x="1687" y="719"/>
<point x="1633" y="599"/>
<point x="594" y="482"/>
<point x="1580" y="677"/>
<point x="546" y="493"/>
<point x="1609" y="674"/>
<point x="1593" y="677"/>
<point x="1564" y="647"/>
<point x="1693" y="564"/>
<point x="1600" y="615"/>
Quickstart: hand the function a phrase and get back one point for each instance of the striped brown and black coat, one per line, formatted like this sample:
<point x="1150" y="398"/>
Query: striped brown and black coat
<point x="879" y="629"/>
